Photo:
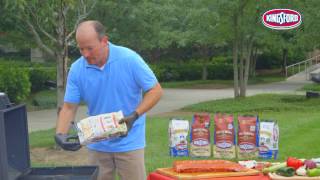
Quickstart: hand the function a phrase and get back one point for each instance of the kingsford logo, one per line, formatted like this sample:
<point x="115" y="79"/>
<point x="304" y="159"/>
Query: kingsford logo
<point x="263" y="149"/>
<point x="246" y="146"/>
<point x="223" y="145"/>
<point x="281" y="19"/>
<point x="200" y="142"/>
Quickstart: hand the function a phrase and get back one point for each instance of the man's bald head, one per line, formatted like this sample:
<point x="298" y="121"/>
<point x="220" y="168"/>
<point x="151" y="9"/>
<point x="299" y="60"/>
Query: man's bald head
<point x="92" y="42"/>
<point x="92" y="26"/>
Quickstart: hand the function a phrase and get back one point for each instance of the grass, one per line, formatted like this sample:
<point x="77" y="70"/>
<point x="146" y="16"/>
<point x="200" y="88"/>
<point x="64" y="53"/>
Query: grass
<point x="46" y="99"/>
<point x="262" y="79"/>
<point x="197" y="84"/>
<point x="297" y="116"/>
<point x="312" y="87"/>
<point x="218" y="84"/>
<point x="258" y="104"/>
<point x="43" y="138"/>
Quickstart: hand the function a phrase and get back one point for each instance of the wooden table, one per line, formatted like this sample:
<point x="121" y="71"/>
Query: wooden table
<point x="157" y="176"/>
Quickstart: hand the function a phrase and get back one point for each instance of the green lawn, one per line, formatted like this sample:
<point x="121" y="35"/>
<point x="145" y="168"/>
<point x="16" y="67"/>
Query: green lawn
<point x="46" y="99"/>
<point x="297" y="116"/>
<point x="218" y="84"/>
<point x="198" y="84"/>
<point x="312" y="87"/>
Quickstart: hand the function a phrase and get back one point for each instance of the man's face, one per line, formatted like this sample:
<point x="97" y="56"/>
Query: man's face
<point x="92" y="48"/>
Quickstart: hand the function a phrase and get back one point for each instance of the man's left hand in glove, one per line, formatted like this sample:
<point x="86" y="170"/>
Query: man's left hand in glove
<point x="129" y="120"/>
<point x="67" y="142"/>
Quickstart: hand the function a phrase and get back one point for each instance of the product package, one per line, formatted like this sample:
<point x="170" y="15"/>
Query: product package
<point x="268" y="139"/>
<point x="248" y="137"/>
<point x="178" y="133"/>
<point x="200" y="136"/>
<point x="224" y="136"/>
<point x="100" y="127"/>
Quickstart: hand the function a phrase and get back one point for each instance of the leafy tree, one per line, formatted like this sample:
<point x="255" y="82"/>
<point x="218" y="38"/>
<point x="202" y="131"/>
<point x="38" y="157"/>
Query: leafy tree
<point x="52" y="25"/>
<point x="139" y="25"/>
<point x="241" y="20"/>
<point x="11" y="35"/>
<point x="200" y="29"/>
<point x="189" y="24"/>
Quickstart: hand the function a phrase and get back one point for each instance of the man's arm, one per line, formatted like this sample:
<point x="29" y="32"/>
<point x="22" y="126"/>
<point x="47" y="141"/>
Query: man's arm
<point x="150" y="98"/>
<point x="65" y="117"/>
<point x="62" y="138"/>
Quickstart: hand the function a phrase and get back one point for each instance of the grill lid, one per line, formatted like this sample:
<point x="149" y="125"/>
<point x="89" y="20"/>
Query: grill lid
<point x="14" y="143"/>
<point x="4" y="101"/>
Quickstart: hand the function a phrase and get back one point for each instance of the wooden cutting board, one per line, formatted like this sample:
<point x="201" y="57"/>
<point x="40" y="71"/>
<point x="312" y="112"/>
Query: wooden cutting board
<point x="274" y="176"/>
<point x="171" y="173"/>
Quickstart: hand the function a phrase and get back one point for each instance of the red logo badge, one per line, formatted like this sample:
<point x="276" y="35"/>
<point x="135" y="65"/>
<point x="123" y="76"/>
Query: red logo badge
<point x="281" y="19"/>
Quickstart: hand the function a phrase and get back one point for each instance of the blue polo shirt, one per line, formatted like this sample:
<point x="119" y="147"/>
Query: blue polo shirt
<point x="117" y="86"/>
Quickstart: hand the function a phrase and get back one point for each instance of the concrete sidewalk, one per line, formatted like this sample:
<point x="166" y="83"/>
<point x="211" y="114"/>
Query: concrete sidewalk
<point x="173" y="99"/>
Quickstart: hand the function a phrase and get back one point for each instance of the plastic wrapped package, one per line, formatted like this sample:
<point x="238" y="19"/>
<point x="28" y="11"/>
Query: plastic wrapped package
<point x="268" y="139"/>
<point x="178" y="132"/>
<point x="100" y="127"/>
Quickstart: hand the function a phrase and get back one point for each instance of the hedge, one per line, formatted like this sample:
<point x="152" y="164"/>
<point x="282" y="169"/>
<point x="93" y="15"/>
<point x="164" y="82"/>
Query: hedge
<point x="191" y="71"/>
<point x="15" y="83"/>
<point x="19" y="79"/>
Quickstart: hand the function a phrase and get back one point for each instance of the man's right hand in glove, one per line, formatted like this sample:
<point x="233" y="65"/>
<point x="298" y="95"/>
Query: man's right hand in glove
<point x="68" y="142"/>
<point x="129" y="120"/>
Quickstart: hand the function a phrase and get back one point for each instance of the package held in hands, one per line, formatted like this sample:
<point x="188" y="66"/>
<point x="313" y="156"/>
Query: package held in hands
<point x="100" y="127"/>
<point x="178" y="132"/>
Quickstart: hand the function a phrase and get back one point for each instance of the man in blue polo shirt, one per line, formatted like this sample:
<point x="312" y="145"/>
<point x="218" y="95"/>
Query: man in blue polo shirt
<point x="109" y="78"/>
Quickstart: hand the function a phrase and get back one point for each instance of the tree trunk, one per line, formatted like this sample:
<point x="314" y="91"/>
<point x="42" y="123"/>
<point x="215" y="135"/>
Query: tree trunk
<point x="62" y="57"/>
<point x="61" y="78"/>
<point x="241" y="75"/>
<point x="247" y="66"/>
<point x="241" y="65"/>
<point x="253" y="61"/>
<point x="204" y="71"/>
<point x="204" y="51"/>
<point x="284" y="60"/>
<point x="235" y="57"/>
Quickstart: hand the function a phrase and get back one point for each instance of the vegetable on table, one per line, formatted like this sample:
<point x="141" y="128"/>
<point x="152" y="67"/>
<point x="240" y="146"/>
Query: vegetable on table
<point x="286" y="171"/>
<point x="313" y="172"/>
<point x="301" y="171"/>
<point x="274" y="168"/>
<point x="294" y="163"/>
<point x="310" y="164"/>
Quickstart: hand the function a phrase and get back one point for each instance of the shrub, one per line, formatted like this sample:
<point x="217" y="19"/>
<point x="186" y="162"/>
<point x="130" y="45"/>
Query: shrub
<point x="45" y="99"/>
<point x="15" y="82"/>
<point x="158" y="71"/>
<point x="220" y="71"/>
<point x="192" y="70"/>
<point x="189" y="71"/>
<point x="222" y="60"/>
<point x="268" y="61"/>
<point x="39" y="76"/>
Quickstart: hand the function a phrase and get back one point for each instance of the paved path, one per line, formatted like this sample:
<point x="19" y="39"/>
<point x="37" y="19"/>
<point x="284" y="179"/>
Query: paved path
<point x="173" y="99"/>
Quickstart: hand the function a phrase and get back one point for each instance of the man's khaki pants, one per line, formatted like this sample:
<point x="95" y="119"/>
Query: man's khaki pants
<point x="128" y="165"/>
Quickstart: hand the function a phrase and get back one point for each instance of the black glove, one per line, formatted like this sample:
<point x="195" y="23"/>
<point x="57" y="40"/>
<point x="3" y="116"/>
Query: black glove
<point x="129" y="120"/>
<point x="67" y="142"/>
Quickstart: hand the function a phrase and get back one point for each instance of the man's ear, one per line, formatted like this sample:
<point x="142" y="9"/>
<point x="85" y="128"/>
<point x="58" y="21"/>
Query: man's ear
<point x="105" y="39"/>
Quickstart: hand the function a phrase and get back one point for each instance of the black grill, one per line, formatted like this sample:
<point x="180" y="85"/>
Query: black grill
<point x="15" y="155"/>
<point x="4" y="101"/>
